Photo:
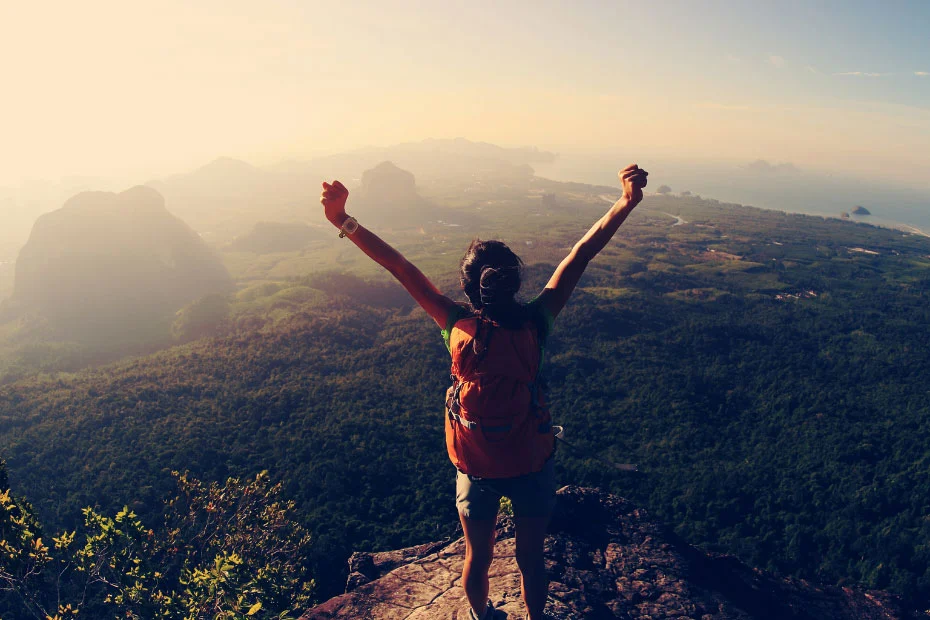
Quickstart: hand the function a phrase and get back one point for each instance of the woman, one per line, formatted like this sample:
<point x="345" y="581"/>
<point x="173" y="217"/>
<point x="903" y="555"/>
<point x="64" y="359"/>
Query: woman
<point x="490" y="279"/>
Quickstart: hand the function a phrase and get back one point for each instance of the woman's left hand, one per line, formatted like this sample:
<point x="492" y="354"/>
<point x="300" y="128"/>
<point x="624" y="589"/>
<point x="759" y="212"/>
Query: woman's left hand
<point x="334" y="198"/>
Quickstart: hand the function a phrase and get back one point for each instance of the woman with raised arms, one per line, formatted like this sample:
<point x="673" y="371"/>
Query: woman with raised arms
<point x="498" y="430"/>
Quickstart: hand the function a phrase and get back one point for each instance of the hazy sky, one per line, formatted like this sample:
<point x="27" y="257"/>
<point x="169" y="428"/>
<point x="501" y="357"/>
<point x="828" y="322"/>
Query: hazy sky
<point x="132" y="87"/>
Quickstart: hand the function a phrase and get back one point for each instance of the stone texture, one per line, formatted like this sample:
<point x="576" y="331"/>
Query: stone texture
<point x="606" y="559"/>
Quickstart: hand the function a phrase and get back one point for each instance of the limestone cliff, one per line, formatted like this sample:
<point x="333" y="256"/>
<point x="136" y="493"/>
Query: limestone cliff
<point x="388" y="197"/>
<point x="113" y="261"/>
<point x="606" y="559"/>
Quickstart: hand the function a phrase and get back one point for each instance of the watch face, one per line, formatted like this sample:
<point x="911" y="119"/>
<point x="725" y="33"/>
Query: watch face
<point x="350" y="225"/>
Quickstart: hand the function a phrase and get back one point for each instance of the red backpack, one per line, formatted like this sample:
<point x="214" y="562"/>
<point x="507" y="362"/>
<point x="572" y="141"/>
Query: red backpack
<point x="497" y="421"/>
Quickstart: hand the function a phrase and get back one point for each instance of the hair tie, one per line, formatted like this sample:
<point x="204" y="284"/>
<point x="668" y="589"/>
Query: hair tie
<point x="498" y="285"/>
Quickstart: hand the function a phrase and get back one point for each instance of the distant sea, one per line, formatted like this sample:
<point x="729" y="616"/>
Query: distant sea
<point x="790" y="190"/>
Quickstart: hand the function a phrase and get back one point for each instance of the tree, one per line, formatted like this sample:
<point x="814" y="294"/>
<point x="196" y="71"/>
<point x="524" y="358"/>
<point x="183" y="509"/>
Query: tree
<point x="200" y="318"/>
<point x="229" y="551"/>
<point x="23" y="555"/>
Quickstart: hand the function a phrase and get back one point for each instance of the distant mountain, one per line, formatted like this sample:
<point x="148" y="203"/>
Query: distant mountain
<point x="761" y="166"/>
<point x="388" y="197"/>
<point x="222" y="177"/>
<point x="270" y="237"/>
<point x="440" y="160"/>
<point x="224" y="199"/>
<point x="227" y="197"/>
<point x="860" y="210"/>
<point x="111" y="261"/>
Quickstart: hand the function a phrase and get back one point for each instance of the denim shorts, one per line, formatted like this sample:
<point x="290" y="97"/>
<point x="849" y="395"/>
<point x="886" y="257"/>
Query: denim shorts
<point x="532" y="495"/>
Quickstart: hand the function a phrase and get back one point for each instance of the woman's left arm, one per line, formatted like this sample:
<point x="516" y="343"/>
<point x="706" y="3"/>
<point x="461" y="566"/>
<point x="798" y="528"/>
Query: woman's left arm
<point x="424" y="292"/>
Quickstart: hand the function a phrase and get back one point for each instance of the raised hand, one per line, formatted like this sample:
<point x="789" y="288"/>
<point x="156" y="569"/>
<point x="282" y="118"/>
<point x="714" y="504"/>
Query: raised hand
<point x="633" y="179"/>
<point x="334" y="198"/>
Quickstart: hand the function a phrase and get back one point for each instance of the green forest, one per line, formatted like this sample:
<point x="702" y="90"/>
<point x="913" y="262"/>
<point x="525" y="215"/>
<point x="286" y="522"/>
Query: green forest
<point x="767" y="372"/>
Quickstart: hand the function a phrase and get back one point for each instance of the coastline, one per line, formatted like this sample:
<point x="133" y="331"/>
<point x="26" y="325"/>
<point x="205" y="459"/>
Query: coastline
<point x="807" y="193"/>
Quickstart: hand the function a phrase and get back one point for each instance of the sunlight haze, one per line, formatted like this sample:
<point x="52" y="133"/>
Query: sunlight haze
<point x="134" y="90"/>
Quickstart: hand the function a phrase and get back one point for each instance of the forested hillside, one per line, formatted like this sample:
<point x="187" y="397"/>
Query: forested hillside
<point x="767" y="372"/>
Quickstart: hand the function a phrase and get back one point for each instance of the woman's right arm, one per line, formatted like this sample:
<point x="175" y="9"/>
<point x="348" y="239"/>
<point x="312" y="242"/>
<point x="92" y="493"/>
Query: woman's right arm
<point x="437" y="306"/>
<point x="566" y="276"/>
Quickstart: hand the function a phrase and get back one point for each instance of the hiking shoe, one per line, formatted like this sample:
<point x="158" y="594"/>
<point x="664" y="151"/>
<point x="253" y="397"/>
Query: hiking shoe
<point x="487" y="615"/>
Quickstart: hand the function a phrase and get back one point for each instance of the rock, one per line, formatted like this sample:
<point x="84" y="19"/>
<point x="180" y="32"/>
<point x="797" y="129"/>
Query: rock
<point x="388" y="197"/>
<point x="606" y="559"/>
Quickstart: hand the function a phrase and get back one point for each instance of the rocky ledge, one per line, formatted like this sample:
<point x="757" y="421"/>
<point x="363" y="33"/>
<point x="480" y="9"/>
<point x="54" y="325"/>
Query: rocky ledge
<point x="606" y="559"/>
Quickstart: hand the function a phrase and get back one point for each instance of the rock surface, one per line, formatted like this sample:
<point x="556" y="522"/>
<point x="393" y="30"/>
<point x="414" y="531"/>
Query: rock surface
<point x="606" y="559"/>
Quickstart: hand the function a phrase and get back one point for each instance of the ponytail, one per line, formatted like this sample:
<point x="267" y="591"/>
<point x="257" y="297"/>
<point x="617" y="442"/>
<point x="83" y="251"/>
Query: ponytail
<point x="490" y="274"/>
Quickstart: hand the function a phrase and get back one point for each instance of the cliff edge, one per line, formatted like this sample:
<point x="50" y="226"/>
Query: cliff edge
<point x="606" y="559"/>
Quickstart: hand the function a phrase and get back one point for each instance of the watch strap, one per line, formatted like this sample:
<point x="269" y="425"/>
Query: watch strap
<point x="349" y="226"/>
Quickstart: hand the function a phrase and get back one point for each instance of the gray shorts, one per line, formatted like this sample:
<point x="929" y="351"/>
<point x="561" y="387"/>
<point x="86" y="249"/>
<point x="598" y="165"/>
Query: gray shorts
<point x="532" y="495"/>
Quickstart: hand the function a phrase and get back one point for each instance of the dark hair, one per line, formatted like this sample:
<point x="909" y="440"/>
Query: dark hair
<point x="490" y="273"/>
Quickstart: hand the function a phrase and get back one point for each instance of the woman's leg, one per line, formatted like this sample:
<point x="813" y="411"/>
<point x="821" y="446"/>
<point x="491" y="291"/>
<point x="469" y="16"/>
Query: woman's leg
<point x="531" y="533"/>
<point x="479" y="551"/>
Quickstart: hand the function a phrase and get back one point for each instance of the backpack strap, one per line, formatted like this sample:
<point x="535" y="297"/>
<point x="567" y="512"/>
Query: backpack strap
<point x="466" y="423"/>
<point x="484" y="341"/>
<point x="454" y="405"/>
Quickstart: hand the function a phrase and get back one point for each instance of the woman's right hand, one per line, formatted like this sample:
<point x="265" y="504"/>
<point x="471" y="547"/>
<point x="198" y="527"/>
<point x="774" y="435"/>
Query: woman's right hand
<point x="633" y="179"/>
<point x="334" y="198"/>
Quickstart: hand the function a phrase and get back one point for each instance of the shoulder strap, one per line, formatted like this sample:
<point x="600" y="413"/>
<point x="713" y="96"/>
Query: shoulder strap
<point x="482" y="342"/>
<point x="457" y="314"/>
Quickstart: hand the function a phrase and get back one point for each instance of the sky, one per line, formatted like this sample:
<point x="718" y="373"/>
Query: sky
<point x="141" y="89"/>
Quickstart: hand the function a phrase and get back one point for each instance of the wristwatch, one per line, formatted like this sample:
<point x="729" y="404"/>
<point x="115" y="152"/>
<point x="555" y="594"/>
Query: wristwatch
<point x="348" y="227"/>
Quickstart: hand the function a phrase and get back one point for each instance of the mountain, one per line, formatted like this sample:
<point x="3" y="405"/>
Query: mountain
<point x="440" y="160"/>
<point x="223" y="177"/>
<point x="225" y="198"/>
<point x="761" y="166"/>
<point x="606" y="558"/>
<point x="271" y="237"/>
<point x="388" y="197"/>
<point x="108" y="261"/>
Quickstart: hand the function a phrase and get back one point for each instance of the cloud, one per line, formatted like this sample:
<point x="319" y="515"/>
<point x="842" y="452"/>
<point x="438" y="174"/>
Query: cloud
<point x="733" y="59"/>
<point x="776" y="61"/>
<point x="922" y="73"/>
<point x="861" y="73"/>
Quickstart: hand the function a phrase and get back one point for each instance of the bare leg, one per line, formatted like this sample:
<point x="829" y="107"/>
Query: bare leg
<point x="531" y="533"/>
<point x="479" y="551"/>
